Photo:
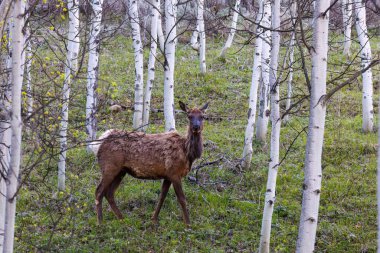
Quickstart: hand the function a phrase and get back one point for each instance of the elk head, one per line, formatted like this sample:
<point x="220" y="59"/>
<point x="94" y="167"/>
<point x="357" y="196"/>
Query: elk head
<point x="195" y="116"/>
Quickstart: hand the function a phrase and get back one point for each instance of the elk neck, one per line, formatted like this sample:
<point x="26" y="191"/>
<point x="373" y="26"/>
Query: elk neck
<point x="193" y="145"/>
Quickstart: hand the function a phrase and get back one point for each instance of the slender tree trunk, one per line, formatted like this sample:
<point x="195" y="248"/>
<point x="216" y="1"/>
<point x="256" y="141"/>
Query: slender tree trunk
<point x="6" y="131"/>
<point x="264" y="102"/>
<point x="160" y="33"/>
<point x="194" y="38"/>
<point x="290" y="78"/>
<point x="291" y="61"/>
<point x="29" y="95"/>
<point x="313" y="168"/>
<point x="139" y="68"/>
<point x="70" y="71"/>
<point x="92" y="74"/>
<point x="202" y="37"/>
<point x="152" y="60"/>
<point x="170" y="43"/>
<point x="270" y="193"/>
<point x="231" y="34"/>
<point x="366" y="57"/>
<point x="347" y="23"/>
<point x="16" y="125"/>
<point x="256" y="74"/>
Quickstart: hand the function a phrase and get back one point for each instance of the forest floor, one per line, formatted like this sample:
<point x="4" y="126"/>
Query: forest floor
<point x="227" y="202"/>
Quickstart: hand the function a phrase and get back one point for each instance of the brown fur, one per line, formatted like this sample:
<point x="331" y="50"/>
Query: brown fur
<point x="167" y="156"/>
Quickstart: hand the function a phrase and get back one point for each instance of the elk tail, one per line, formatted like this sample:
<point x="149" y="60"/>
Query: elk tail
<point x="95" y="145"/>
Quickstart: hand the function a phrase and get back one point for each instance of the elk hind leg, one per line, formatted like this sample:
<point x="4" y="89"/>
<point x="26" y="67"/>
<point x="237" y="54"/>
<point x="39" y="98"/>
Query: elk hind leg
<point x="110" y="193"/>
<point x="99" y="194"/>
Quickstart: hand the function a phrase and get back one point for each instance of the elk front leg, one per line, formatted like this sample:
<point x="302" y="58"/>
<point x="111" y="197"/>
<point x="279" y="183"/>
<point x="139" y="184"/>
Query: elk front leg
<point x="164" y="191"/>
<point x="182" y="200"/>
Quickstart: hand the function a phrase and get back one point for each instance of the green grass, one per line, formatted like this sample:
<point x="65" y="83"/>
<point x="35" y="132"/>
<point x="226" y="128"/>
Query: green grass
<point x="226" y="209"/>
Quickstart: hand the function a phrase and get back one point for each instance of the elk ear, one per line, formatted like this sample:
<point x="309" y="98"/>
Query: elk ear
<point x="183" y="107"/>
<point x="204" y="108"/>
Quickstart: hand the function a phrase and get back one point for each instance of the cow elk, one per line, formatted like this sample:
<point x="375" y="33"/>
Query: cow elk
<point x="166" y="156"/>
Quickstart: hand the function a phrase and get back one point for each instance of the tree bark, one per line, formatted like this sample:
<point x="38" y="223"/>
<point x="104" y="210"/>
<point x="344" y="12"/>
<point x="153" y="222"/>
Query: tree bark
<point x="29" y="95"/>
<point x="6" y="130"/>
<point x="313" y="169"/>
<point x="70" y="71"/>
<point x="92" y="70"/>
<point x="16" y="125"/>
<point x="264" y="102"/>
<point x="160" y="33"/>
<point x="292" y="43"/>
<point x="270" y="194"/>
<point x="231" y="34"/>
<point x="152" y="60"/>
<point x="194" y="38"/>
<point x="139" y="68"/>
<point x="202" y="36"/>
<point x="366" y="57"/>
<point x="256" y="74"/>
<point x="347" y="23"/>
<point x="170" y="44"/>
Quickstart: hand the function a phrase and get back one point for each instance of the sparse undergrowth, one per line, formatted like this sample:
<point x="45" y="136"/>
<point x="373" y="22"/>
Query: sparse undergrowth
<point x="226" y="207"/>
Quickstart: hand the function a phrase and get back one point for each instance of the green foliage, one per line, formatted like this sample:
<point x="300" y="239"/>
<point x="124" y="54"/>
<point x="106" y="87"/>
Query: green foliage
<point x="226" y="209"/>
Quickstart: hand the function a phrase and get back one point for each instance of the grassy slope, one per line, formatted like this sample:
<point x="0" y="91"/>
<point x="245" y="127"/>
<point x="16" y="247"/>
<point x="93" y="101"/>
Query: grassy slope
<point x="226" y="211"/>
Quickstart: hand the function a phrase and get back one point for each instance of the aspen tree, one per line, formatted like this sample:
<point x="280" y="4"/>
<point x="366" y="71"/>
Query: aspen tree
<point x="256" y="74"/>
<point x="169" y="64"/>
<point x="152" y="60"/>
<point x="313" y="162"/>
<point x="270" y="193"/>
<point x="92" y="70"/>
<point x="232" y="31"/>
<point x="139" y="67"/>
<point x="366" y="57"/>
<point x="70" y="72"/>
<point x="264" y="101"/>
<point x="16" y="125"/>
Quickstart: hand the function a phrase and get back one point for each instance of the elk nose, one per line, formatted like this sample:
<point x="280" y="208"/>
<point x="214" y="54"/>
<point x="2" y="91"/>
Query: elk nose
<point x="196" y="127"/>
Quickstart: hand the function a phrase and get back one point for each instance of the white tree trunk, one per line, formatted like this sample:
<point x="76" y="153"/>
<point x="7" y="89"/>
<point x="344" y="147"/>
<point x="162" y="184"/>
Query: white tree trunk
<point x="170" y="43"/>
<point x="93" y="67"/>
<point x="160" y="33"/>
<point x="194" y="38"/>
<point x="16" y="125"/>
<point x="313" y="168"/>
<point x="70" y="71"/>
<point x="256" y="74"/>
<point x="291" y="62"/>
<point x="347" y="23"/>
<point x="6" y="131"/>
<point x="29" y="95"/>
<point x="366" y="57"/>
<point x="231" y="34"/>
<point x="202" y="36"/>
<point x="152" y="61"/>
<point x="290" y="77"/>
<point x="139" y="68"/>
<point x="264" y="102"/>
<point x="270" y="193"/>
